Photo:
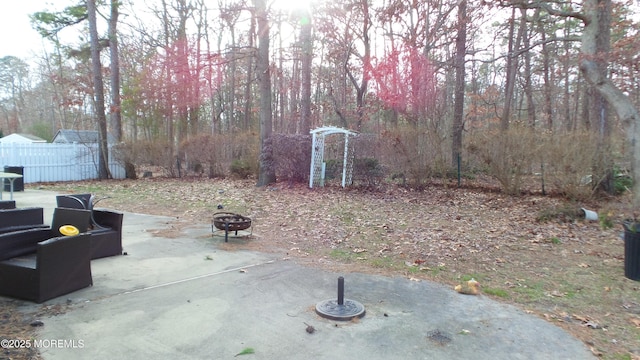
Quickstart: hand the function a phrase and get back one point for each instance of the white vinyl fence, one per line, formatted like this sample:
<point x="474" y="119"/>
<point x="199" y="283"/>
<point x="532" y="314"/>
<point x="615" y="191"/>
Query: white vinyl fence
<point x="50" y="162"/>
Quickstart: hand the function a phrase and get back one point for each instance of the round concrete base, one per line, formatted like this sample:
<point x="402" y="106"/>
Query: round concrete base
<point x="346" y="311"/>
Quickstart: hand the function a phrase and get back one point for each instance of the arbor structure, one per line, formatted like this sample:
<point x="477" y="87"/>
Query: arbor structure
<point x="317" y="175"/>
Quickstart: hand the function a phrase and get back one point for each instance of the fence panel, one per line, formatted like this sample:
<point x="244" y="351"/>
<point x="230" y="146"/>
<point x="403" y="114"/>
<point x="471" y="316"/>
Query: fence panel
<point x="51" y="162"/>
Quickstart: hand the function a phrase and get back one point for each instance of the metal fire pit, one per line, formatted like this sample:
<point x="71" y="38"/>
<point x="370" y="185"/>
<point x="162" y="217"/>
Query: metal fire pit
<point x="229" y="222"/>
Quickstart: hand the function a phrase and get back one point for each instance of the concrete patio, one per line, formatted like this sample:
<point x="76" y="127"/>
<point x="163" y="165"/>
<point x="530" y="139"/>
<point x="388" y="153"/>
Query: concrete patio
<point x="184" y="298"/>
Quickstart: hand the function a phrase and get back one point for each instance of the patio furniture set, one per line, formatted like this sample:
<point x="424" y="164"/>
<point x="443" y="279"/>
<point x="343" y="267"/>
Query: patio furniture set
<point x="39" y="262"/>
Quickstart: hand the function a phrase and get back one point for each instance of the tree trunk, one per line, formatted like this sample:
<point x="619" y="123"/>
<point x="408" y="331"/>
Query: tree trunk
<point x="267" y="173"/>
<point x="289" y="119"/>
<point x="528" y="87"/>
<point x="362" y="87"/>
<point x="167" y="89"/>
<point x="603" y="167"/>
<point x="182" y="74"/>
<point x="231" y="89"/>
<point x="546" y="71"/>
<point x="98" y="96"/>
<point x="307" y="55"/>
<point x="621" y="103"/>
<point x="458" y="106"/>
<point x="114" y="65"/>
<point x="569" y="123"/>
<point x="282" y="93"/>
<point x="366" y="59"/>
<point x="512" y="66"/>
<point x="248" y="98"/>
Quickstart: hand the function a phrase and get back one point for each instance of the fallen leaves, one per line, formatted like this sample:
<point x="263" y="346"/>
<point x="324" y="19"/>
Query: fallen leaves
<point x="384" y="249"/>
<point x="592" y="325"/>
<point x="471" y="287"/>
<point x="436" y="234"/>
<point x="587" y="322"/>
<point x="557" y="293"/>
<point x="246" y="351"/>
<point x="595" y="352"/>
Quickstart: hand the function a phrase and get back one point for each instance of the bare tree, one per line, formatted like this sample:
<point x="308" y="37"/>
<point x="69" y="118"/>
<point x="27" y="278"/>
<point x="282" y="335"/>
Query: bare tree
<point x="114" y="66"/>
<point x="512" y="66"/>
<point x="267" y="173"/>
<point x="346" y="27"/>
<point x="459" y="63"/>
<point x="528" y="86"/>
<point x="13" y="81"/>
<point x="248" y="94"/>
<point x="592" y="14"/>
<point x="98" y="85"/>
<point x="307" y="55"/>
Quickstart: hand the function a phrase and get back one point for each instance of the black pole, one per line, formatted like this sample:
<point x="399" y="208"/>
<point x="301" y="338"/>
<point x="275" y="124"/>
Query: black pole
<point x="544" y="192"/>
<point x="340" y="290"/>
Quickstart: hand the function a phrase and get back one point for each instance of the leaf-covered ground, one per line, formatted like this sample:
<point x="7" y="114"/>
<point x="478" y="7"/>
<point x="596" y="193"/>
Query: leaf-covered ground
<point x="530" y="251"/>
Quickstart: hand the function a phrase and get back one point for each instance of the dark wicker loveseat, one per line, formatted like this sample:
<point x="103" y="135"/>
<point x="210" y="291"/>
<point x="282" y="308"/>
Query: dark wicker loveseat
<point x="105" y="226"/>
<point x="40" y="264"/>
<point x="7" y="204"/>
<point x="21" y="219"/>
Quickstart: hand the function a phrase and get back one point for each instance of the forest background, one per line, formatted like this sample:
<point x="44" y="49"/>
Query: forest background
<point x="434" y="89"/>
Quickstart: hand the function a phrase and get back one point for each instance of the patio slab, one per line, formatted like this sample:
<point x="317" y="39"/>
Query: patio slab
<point x="184" y="298"/>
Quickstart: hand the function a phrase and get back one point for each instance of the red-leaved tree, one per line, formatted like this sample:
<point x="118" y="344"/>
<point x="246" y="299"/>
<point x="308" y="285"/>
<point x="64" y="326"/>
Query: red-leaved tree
<point x="405" y="81"/>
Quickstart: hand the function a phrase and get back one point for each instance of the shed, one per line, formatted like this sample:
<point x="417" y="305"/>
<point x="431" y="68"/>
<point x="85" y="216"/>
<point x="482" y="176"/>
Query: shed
<point x="16" y="138"/>
<point x="66" y="136"/>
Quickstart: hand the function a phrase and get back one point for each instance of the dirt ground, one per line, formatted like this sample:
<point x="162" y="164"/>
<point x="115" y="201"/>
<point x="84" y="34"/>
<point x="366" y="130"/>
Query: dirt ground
<point x="536" y="252"/>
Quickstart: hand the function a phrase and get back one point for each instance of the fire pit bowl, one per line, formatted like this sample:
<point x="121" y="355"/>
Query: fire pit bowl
<point x="231" y="222"/>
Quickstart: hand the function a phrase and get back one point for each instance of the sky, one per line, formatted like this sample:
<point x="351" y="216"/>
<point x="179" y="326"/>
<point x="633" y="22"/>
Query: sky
<point x="17" y="38"/>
